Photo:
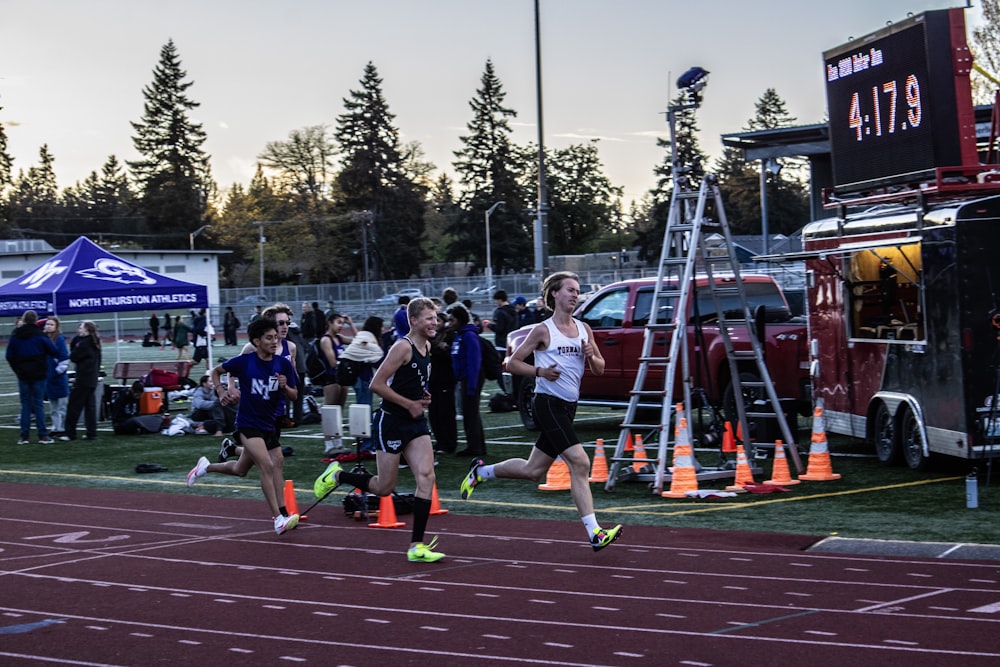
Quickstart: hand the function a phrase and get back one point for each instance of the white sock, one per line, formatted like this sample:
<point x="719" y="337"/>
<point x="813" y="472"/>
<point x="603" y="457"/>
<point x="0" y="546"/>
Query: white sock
<point x="486" y="472"/>
<point x="590" y="523"/>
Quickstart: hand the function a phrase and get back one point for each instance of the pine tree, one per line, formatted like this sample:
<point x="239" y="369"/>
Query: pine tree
<point x="173" y="175"/>
<point x="6" y="177"/>
<point x="373" y="179"/>
<point x="35" y="202"/>
<point x="583" y="201"/>
<point x="488" y="171"/>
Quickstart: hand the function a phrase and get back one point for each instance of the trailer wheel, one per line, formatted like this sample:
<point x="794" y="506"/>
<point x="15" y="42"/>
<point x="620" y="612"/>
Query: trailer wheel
<point x="887" y="445"/>
<point x="524" y="392"/>
<point x="912" y="441"/>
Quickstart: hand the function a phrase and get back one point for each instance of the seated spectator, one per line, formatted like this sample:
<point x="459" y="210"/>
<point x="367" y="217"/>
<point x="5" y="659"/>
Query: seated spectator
<point x="205" y="407"/>
<point x="125" y="413"/>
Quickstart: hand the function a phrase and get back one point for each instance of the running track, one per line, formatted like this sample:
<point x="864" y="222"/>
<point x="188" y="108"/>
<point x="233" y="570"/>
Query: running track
<point x="94" y="577"/>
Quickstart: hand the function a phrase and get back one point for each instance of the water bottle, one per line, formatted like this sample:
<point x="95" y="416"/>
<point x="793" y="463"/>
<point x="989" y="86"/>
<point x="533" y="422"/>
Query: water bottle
<point x="972" y="490"/>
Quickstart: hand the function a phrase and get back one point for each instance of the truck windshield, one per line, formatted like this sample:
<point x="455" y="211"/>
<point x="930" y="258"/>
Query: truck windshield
<point x="764" y="294"/>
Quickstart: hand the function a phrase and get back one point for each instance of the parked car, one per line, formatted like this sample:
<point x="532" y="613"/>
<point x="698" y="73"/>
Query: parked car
<point x="482" y="290"/>
<point x="411" y="292"/>
<point x="255" y="299"/>
<point x="388" y="299"/>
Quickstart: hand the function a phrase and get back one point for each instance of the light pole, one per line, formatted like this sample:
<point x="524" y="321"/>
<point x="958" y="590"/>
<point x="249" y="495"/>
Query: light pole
<point x="196" y="233"/>
<point x="489" y="251"/>
<point x="542" y="219"/>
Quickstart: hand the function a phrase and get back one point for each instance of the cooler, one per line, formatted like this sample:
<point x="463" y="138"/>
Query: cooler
<point x="151" y="401"/>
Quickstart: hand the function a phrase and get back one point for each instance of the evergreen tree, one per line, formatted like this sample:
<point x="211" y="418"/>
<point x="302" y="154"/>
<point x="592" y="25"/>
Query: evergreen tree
<point x="373" y="179"/>
<point x="34" y="202"/>
<point x="6" y="178"/>
<point x="173" y="176"/>
<point x="488" y="169"/>
<point x="583" y="201"/>
<point x="443" y="210"/>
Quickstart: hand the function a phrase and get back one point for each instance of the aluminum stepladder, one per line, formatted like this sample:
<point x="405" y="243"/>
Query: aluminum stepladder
<point x="685" y="252"/>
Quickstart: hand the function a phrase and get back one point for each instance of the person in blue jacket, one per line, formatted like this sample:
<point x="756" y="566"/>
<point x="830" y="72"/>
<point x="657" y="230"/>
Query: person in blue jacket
<point x="466" y="362"/>
<point x="56" y="381"/>
<point x="27" y="353"/>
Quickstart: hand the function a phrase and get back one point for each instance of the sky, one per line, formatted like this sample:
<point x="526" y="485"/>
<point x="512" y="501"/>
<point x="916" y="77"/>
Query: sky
<point x="72" y="71"/>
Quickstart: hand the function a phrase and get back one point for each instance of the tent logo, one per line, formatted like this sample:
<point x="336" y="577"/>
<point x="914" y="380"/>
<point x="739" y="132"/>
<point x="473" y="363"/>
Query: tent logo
<point x="117" y="271"/>
<point x="47" y="270"/>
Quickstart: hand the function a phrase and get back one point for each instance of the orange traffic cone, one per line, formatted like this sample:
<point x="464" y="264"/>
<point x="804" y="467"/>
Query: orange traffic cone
<point x="599" y="468"/>
<point x="683" y="477"/>
<point x="780" y="473"/>
<point x="436" y="502"/>
<point x="628" y="442"/>
<point x="728" y="441"/>
<point x="744" y="474"/>
<point x="819" y="468"/>
<point x="557" y="479"/>
<point x="387" y="514"/>
<point x="639" y="458"/>
<point x="291" y="504"/>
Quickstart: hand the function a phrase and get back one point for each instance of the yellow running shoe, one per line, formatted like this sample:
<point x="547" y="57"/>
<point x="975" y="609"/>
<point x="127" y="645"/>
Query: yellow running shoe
<point x="605" y="536"/>
<point x="327" y="482"/>
<point x="424" y="553"/>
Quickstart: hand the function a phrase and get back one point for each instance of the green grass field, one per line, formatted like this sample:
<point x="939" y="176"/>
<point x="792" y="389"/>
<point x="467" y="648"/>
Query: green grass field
<point x="869" y="500"/>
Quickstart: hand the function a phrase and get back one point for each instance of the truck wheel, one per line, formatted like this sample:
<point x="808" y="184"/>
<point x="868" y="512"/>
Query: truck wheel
<point x="912" y="442"/>
<point x="886" y="439"/>
<point x="525" y="392"/>
<point x="750" y="395"/>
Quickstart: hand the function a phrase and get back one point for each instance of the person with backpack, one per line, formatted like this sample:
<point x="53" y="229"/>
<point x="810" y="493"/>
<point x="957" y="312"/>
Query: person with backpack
<point x="467" y="363"/>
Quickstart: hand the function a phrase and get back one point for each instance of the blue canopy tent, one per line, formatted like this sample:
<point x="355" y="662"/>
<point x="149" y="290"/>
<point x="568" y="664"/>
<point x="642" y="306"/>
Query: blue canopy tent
<point x="85" y="278"/>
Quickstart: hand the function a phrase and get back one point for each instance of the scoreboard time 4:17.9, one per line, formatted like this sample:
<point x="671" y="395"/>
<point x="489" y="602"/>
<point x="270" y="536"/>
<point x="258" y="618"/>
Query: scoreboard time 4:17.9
<point x="900" y="102"/>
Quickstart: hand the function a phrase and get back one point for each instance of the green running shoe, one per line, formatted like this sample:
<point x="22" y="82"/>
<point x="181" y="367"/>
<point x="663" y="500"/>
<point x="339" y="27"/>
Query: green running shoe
<point x="604" y="537"/>
<point x="424" y="553"/>
<point x="327" y="482"/>
<point x="472" y="479"/>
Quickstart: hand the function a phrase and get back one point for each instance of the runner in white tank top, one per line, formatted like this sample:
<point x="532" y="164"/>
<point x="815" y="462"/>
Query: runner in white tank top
<point x="561" y="345"/>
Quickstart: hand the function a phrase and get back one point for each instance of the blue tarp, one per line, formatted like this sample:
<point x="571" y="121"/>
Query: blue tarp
<point x="85" y="278"/>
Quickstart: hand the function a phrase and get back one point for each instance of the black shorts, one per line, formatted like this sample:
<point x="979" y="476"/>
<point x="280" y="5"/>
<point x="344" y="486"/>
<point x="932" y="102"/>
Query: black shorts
<point x="270" y="437"/>
<point x="391" y="433"/>
<point x="554" y="418"/>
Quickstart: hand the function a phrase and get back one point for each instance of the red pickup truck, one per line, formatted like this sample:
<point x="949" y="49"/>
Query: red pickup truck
<point x="618" y="314"/>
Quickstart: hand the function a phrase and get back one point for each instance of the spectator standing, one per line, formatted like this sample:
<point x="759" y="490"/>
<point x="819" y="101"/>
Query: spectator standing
<point x="504" y="320"/>
<point x="255" y="314"/>
<point x="167" y="328"/>
<point x="200" y="331"/>
<point x="400" y="320"/>
<point x="85" y="352"/>
<point x="466" y="360"/>
<point x="561" y="347"/>
<point x="154" y="326"/>
<point x="525" y="315"/>
<point x="27" y="353"/>
<point x="366" y="351"/>
<point x="294" y="336"/>
<point x="472" y="315"/>
<point x="230" y="325"/>
<point x="441" y="412"/>
<point x="181" y="338"/>
<point x="56" y="380"/>
<point x="307" y="323"/>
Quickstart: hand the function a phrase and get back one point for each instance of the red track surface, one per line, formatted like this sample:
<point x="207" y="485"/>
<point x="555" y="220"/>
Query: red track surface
<point x="113" y="578"/>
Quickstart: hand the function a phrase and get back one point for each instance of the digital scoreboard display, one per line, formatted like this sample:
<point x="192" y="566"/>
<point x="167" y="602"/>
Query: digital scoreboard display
<point x="898" y="101"/>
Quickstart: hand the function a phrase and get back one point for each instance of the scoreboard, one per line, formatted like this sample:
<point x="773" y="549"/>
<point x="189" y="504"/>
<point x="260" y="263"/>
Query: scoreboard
<point x="899" y="102"/>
